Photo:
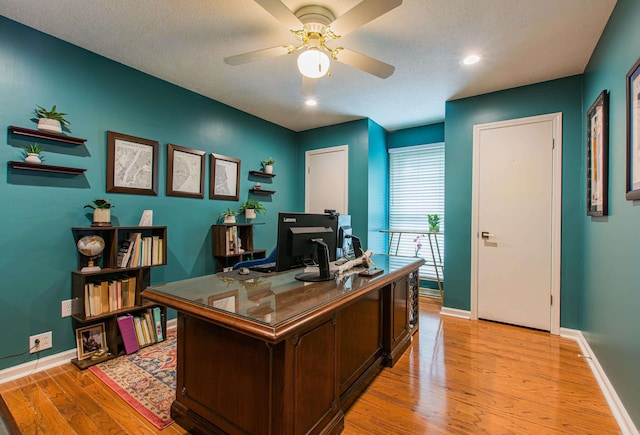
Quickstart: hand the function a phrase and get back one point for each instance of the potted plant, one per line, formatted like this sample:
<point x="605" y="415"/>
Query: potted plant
<point x="32" y="153"/>
<point x="229" y="216"/>
<point x="250" y="207"/>
<point x="434" y="222"/>
<point x="50" y="120"/>
<point x="267" y="165"/>
<point x="101" y="212"/>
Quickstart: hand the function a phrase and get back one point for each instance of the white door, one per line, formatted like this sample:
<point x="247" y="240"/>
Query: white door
<point x="327" y="180"/>
<point x="515" y="220"/>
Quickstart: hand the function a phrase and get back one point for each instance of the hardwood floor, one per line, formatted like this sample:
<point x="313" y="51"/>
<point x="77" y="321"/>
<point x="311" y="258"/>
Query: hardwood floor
<point x="458" y="377"/>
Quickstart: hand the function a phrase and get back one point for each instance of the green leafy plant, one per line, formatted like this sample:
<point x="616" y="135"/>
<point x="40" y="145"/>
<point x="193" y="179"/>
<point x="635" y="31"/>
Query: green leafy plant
<point x="100" y="203"/>
<point x="269" y="162"/>
<point x="33" y="148"/>
<point x="228" y="212"/>
<point x="41" y="112"/>
<point x="434" y="222"/>
<point x="253" y="204"/>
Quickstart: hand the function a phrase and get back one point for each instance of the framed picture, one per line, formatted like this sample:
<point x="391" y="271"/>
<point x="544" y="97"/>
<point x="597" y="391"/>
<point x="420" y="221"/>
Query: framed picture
<point x="132" y="164"/>
<point x="90" y="340"/>
<point x="633" y="132"/>
<point x="185" y="172"/>
<point x="598" y="156"/>
<point x="226" y="301"/>
<point x="225" y="178"/>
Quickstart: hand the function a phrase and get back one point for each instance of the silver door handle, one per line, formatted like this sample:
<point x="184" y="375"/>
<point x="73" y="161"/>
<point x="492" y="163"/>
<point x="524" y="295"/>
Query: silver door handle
<point x="485" y="235"/>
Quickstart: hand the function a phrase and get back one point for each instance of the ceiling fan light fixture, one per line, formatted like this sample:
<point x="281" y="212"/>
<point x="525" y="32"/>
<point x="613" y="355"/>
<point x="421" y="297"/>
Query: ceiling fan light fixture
<point x="471" y="59"/>
<point x="311" y="102"/>
<point x="313" y="63"/>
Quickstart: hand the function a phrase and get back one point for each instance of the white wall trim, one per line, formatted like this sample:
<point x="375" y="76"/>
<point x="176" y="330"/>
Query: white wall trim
<point x="58" y="359"/>
<point x="454" y="312"/>
<point x="617" y="408"/>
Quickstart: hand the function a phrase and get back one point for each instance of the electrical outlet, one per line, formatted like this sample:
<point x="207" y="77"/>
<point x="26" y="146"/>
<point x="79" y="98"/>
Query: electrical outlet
<point x="45" y="342"/>
<point x="66" y="307"/>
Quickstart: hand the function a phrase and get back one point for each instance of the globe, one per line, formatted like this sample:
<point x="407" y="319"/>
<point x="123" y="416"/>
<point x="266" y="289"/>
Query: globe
<point x="91" y="246"/>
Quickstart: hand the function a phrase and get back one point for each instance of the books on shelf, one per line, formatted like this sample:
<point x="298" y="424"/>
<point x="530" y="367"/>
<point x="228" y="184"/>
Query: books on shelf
<point x="144" y="328"/>
<point x="102" y="297"/>
<point x="138" y="250"/>
<point x="128" y="333"/>
<point x="232" y="240"/>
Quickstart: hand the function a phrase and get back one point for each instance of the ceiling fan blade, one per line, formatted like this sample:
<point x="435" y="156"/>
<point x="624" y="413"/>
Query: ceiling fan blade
<point x="281" y="13"/>
<point x="309" y="87"/>
<point x="253" y="56"/>
<point x="361" y="14"/>
<point x="365" y="63"/>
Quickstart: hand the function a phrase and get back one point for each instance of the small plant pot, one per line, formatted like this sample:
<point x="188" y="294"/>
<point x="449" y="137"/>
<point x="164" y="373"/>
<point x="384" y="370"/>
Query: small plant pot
<point x="101" y="217"/>
<point x="268" y="169"/>
<point x="49" y="125"/>
<point x="229" y="219"/>
<point x="32" y="158"/>
<point x="435" y="229"/>
<point x="250" y="213"/>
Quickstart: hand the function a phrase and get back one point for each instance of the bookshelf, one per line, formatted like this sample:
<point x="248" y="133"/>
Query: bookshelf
<point x="227" y="237"/>
<point x="128" y="281"/>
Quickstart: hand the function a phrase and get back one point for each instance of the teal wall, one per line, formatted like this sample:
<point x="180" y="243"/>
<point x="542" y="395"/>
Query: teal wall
<point x="431" y="133"/>
<point x="563" y="95"/>
<point x="378" y="188"/>
<point x="611" y="298"/>
<point x="38" y="250"/>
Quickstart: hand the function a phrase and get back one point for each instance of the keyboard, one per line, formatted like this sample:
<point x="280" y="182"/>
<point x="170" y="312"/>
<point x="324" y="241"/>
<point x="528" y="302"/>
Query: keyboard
<point x="266" y="267"/>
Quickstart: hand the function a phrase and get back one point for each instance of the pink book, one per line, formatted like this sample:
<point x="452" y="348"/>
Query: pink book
<point x="128" y="333"/>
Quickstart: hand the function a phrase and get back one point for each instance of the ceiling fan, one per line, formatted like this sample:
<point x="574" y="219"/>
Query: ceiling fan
<point x="315" y="26"/>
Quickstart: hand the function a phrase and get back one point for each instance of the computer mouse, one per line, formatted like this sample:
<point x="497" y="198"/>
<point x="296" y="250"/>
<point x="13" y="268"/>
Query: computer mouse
<point x="244" y="271"/>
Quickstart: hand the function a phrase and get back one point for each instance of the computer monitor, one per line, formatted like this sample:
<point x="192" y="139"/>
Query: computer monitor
<point x="296" y="232"/>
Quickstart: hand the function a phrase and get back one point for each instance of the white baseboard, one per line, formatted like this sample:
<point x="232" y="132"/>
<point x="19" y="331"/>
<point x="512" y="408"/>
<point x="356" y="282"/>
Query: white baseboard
<point x="454" y="312"/>
<point x="50" y="361"/>
<point x="617" y="408"/>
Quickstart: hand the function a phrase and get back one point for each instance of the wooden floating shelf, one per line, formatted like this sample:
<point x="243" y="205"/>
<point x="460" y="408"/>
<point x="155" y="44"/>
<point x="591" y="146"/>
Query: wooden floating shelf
<point x="261" y="174"/>
<point x="262" y="191"/>
<point x="45" y="168"/>
<point x="40" y="134"/>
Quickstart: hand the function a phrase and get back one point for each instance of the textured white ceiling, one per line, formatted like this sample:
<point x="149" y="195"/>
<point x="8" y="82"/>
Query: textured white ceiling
<point x="184" y="42"/>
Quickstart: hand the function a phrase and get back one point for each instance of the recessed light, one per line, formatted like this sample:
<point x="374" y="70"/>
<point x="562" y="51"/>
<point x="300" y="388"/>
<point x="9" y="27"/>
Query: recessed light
<point x="471" y="59"/>
<point x="310" y="102"/>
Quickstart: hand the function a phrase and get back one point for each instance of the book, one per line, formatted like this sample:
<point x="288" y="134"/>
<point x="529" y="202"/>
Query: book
<point x="104" y="297"/>
<point x="139" y="334"/>
<point x="124" y="253"/>
<point x="134" y="260"/>
<point x="88" y="289"/>
<point x="132" y="291"/>
<point x="150" y="325"/>
<point x="157" y="320"/>
<point x="155" y="251"/>
<point x="148" y="241"/>
<point x="128" y="334"/>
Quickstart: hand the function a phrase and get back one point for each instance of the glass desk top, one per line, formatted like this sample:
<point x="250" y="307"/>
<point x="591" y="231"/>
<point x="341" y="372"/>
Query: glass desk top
<point x="271" y="299"/>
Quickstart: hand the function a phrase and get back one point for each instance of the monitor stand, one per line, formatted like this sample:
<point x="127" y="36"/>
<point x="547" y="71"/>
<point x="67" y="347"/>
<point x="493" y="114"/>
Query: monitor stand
<point x="323" y="262"/>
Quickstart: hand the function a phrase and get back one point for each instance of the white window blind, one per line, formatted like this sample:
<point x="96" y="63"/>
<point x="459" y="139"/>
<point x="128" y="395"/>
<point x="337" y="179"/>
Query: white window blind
<point x="416" y="184"/>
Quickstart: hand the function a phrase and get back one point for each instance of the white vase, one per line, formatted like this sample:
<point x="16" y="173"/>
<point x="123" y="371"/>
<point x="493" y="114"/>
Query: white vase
<point x="229" y="219"/>
<point x="32" y="158"/>
<point x="49" y="125"/>
<point x="268" y="169"/>
<point x="250" y="213"/>
<point x="101" y="217"/>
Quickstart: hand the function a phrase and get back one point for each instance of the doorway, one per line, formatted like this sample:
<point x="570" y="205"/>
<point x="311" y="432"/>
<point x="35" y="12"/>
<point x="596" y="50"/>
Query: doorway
<point x="516" y="217"/>
<point x="327" y="180"/>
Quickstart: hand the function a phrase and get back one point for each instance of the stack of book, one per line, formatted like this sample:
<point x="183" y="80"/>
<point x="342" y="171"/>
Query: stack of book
<point x="138" y="250"/>
<point x="141" y="330"/>
<point x="232" y="240"/>
<point x="101" y="297"/>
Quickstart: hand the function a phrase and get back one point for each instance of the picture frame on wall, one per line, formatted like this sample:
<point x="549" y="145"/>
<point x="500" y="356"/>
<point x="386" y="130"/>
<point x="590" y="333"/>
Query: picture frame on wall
<point x="598" y="156"/>
<point x="90" y="340"/>
<point x="224" y="181"/>
<point x="633" y="132"/>
<point x="132" y="164"/>
<point x="185" y="171"/>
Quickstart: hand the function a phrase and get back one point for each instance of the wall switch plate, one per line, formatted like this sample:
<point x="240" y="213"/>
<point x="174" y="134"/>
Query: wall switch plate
<point x="66" y="307"/>
<point x="45" y="342"/>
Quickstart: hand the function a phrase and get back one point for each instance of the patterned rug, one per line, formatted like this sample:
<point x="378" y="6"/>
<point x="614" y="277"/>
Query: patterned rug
<point x="146" y="380"/>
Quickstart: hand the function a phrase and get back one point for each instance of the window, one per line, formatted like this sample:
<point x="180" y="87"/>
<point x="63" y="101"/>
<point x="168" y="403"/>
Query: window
<point x="416" y="184"/>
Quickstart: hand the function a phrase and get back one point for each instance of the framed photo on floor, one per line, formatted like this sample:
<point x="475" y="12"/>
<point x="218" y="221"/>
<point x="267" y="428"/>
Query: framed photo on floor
<point x="132" y="164"/>
<point x="185" y="172"/>
<point x="633" y="132"/>
<point x="90" y="340"/>
<point x="225" y="178"/>
<point x="598" y="156"/>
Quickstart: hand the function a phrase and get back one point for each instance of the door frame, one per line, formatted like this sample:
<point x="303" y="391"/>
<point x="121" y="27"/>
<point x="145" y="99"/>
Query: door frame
<point x="556" y="212"/>
<point x="307" y="163"/>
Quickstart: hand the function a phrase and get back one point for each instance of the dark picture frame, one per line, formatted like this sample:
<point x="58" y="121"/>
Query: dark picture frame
<point x="227" y="301"/>
<point x="633" y="132"/>
<point x="90" y="339"/>
<point x="224" y="180"/>
<point x="185" y="171"/>
<point x="132" y="164"/>
<point x="598" y="156"/>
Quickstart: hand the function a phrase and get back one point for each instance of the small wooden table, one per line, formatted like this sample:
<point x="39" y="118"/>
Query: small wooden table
<point x="273" y="355"/>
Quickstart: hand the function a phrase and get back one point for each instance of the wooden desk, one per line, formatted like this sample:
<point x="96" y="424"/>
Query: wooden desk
<point x="273" y="355"/>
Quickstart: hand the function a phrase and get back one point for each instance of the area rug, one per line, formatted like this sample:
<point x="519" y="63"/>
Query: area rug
<point x="146" y="380"/>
